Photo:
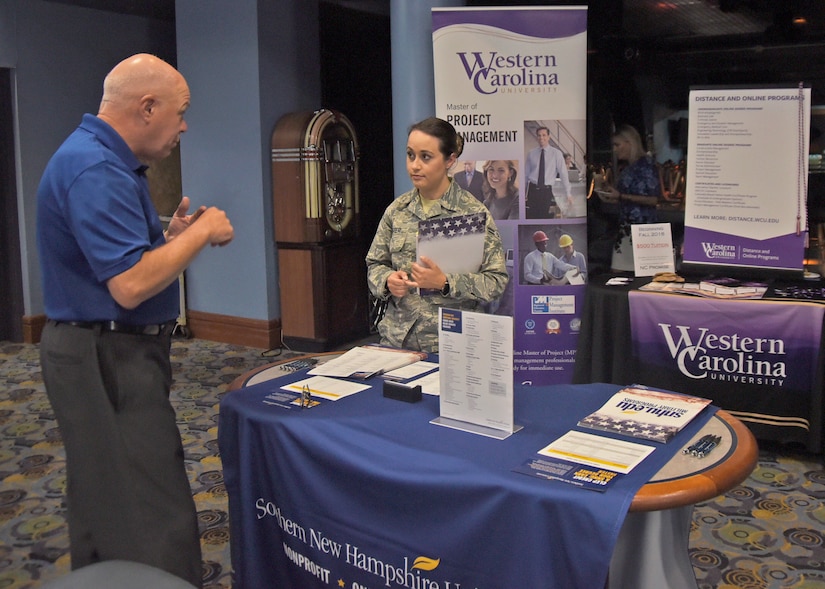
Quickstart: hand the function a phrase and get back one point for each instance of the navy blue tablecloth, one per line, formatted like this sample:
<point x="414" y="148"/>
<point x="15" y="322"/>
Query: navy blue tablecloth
<point x="365" y="491"/>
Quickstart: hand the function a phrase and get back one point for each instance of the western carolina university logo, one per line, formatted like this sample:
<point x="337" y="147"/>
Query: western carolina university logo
<point x="493" y="72"/>
<point x="716" y="251"/>
<point x="701" y="354"/>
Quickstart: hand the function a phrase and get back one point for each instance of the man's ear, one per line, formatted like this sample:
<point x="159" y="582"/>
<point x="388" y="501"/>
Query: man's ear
<point x="147" y="106"/>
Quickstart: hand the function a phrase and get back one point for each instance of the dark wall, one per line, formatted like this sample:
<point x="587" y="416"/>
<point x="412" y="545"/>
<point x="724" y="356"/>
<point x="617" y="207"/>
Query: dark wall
<point x="11" y="279"/>
<point x="356" y="80"/>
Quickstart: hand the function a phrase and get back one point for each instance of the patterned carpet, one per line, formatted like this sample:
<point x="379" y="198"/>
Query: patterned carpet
<point x="765" y="534"/>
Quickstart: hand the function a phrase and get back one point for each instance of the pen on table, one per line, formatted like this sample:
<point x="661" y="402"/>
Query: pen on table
<point x="311" y="391"/>
<point x="701" y="448"/>
<point x="692" y="448"/>
<point x="711" y="445"/>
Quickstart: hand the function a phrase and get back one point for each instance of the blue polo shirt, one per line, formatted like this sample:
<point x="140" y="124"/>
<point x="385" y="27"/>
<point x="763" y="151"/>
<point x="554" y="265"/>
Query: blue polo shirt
<point x="95" y="219"/>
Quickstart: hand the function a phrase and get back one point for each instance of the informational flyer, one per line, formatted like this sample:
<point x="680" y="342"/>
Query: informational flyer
<point x="326" y="388"/>
<point x="475" y="352"/>
<point x="652" y="248"/>
<point x="598" y="451"/>
<point x="746" y="177"/>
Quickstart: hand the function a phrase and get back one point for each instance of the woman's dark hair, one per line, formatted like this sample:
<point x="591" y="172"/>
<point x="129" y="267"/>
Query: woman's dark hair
<point x="449" y="142"/>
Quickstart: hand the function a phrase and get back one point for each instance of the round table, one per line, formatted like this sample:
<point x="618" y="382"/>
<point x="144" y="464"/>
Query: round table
<point x="685" y="480"/>
<point x="652" y="548"/>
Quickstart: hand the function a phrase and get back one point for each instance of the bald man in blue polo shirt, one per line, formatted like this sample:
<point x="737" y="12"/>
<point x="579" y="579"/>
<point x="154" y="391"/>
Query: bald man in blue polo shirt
<point x="110" y="285"/>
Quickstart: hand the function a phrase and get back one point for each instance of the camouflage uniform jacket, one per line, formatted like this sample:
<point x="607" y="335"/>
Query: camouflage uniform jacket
<point x="411" y="321"/>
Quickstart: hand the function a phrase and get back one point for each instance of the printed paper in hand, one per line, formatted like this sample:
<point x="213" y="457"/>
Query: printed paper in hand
<point x="456" y="244"/>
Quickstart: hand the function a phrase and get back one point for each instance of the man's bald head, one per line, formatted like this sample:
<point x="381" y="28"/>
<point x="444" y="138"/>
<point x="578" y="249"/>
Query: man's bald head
<point x="144" y="99"/>
<point x="135" y="76"/>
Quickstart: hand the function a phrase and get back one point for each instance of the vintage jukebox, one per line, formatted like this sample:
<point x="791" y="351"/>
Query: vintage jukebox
<point x="323" y="279"/>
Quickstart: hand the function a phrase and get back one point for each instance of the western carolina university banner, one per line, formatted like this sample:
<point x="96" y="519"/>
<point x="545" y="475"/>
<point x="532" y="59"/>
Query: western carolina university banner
<point x="762" y="364"/>
<point x="513" y="83"/>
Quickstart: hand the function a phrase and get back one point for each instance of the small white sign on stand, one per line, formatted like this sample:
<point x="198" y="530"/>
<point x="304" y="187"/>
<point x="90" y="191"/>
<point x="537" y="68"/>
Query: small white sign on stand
<point x="476" y="372"/>
<point x="652" y="248"/>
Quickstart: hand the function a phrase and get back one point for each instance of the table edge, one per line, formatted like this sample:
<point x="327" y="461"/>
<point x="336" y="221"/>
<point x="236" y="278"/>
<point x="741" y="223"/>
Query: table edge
<point x="240" y="381"/>
<point x="707" y="484"/>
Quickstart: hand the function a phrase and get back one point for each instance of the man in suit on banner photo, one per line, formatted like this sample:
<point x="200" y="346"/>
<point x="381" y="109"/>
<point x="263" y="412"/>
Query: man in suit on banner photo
<point x="544" y="163"/>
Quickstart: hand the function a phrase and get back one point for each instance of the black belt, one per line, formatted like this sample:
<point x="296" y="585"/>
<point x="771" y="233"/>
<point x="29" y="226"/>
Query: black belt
<point x="535" y="186"/>
<point x="114" y="326"/>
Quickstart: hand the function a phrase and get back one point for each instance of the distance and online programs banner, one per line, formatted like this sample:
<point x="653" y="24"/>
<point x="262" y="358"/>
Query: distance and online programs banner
<point x="746" y="177"/>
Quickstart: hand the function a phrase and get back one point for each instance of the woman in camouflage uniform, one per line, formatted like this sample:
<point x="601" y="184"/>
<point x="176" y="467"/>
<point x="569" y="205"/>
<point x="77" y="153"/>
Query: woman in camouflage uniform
<point x="393" y="272"/>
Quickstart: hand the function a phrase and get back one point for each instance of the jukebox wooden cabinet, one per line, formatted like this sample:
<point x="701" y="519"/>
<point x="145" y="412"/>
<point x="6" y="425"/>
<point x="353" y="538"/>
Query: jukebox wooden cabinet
<point x="323" y="281"/>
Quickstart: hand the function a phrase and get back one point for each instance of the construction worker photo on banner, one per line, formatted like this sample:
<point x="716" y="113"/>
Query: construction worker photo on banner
<point x="551" y="255"/>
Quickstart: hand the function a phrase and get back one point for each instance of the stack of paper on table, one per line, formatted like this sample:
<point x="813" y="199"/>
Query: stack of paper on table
<point x="367" y="361"/>
<point x="732" y="288"/>
<point x="719" y="288"/>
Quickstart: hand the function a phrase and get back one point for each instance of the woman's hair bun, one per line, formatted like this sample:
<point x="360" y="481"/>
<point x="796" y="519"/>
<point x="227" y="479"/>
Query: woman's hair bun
<point x="459" y="144"/>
